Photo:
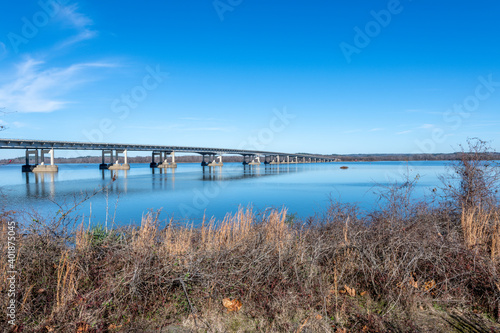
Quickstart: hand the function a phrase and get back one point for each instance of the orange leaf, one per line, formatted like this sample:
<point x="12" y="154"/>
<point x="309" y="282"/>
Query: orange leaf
<point x="319" y="317"/>
<point x="429" y="285"/>
<point x="49" y="328"/>
<point x="350" y="291"/>
<point x="82" y="327"/>
<point x="234" y="305"/>
<point x="364" y="293"/>
<point x="413" y="283"/>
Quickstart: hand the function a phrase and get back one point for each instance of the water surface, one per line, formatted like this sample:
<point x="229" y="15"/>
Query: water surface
<point x="190" y="191"/>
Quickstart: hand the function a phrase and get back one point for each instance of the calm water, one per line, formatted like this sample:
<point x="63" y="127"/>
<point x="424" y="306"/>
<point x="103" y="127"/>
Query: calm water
<point x="190" y="191"/>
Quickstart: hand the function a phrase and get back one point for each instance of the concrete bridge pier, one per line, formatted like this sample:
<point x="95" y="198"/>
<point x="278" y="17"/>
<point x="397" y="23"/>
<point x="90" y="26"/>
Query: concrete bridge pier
<point x="46" y="167"/>
<point x="215" y="162"/>
<point x="39" y="161"/>
<point x="29" y="167"/>
<point x="165" y="164"/>
<point x="245" y="162"/>
<point x="203" y="162"/>
<point x="116" y="165"/>
<point x="255" y="161"/>
<point x="104" y="165"/>
<point x="153" y="163"/>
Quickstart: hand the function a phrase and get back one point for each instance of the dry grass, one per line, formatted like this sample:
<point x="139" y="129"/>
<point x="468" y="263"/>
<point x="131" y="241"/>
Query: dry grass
<point x="481" y="230"/>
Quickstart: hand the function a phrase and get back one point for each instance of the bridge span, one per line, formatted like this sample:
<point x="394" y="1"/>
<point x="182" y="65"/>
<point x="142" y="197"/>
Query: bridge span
<point x="116" y="153"/>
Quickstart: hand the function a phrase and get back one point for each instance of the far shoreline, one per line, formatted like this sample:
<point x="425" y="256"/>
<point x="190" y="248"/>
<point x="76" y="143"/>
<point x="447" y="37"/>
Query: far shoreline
<point x="230" y="158"/>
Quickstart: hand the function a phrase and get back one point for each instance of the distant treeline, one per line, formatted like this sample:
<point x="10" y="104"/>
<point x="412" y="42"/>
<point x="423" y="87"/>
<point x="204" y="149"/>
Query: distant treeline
<point x="410" y="157"/>
<point x="237" y="158"/>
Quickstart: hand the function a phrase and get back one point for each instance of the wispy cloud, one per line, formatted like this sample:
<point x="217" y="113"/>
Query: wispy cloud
<point x="424" y="111"/>
<point x="38" y="89"/>
<point x="404" y="132"/>
<point x="3" y="50"/>
<point x="427" y="126"/>
<point x="183" y="128"/>
<point x="15" y="124"/>
<point x="70" y="16"/>
<point x="377" y="129"/>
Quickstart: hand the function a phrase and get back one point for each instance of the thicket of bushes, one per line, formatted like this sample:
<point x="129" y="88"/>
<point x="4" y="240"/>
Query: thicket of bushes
<point x="408" y="267"/>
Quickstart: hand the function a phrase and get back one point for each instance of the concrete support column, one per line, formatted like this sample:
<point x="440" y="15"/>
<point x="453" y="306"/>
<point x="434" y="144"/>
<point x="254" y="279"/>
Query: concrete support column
<point x="40" y="165"/>
<point x="288" y="159"/>
<point x="173" y="157"/>
<point x="125" y="156"/>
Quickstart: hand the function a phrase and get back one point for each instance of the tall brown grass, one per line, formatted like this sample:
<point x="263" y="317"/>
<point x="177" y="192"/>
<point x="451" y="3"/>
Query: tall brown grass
<point x="340" y="271"/>
<point x="481" y="229"/>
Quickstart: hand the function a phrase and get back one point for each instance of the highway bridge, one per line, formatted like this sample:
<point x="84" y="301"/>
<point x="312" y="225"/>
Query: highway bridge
<point x="117" y="152"/>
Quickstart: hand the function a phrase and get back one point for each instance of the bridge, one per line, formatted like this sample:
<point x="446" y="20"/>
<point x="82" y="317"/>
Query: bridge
<point x="116" y="152"/>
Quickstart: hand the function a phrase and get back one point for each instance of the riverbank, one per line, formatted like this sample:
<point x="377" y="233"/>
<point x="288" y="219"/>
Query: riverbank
<point x="404" y="270"/>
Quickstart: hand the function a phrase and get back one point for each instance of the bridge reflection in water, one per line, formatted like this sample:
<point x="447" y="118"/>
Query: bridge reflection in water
<point x="44" y="185"/>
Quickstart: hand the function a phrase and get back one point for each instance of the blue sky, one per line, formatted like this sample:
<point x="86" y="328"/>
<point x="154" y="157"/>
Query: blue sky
<point x="317" y="76"/>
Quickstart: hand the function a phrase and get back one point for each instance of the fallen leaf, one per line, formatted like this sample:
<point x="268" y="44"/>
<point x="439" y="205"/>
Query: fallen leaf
<point x="350" y="291"/>
<point x="49" y="328"/>
<point x="114" y="327"/>
<point x="319" y="317"/>
<point x="365" y="329"/>
<point x="414" y="283"/>
<point x="234" y="305"/>
<point x="429" y="285"/>
<point x="364" y="293"/>
<point x="41" y="290"/>
<point x="82" y="327"/>
<point x="302" y="326"/>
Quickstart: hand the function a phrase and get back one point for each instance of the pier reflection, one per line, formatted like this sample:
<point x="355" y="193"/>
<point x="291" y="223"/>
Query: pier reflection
<point x="161" y="179"/>
<point x="247" y="171"/>
<point x="41" y="185"/>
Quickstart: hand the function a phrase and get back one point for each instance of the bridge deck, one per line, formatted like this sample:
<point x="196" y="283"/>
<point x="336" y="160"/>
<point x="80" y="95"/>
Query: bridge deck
<point x="70" y="145"/>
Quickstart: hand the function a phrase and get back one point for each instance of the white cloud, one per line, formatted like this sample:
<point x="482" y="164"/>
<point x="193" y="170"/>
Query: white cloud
<point x="18" y="124"/>
<point x="424" y="111"/>
<point x="427" y="126"/>
<point x="70" y="16"/>
<point x="3" y="50"/>
<point x="35" y="89"/>
<point x="404" y="132"/>
<point x="376" y="129"/>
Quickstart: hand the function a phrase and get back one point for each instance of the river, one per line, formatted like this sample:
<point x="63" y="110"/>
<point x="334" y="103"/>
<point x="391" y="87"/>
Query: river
<point x="190" y="191"/>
